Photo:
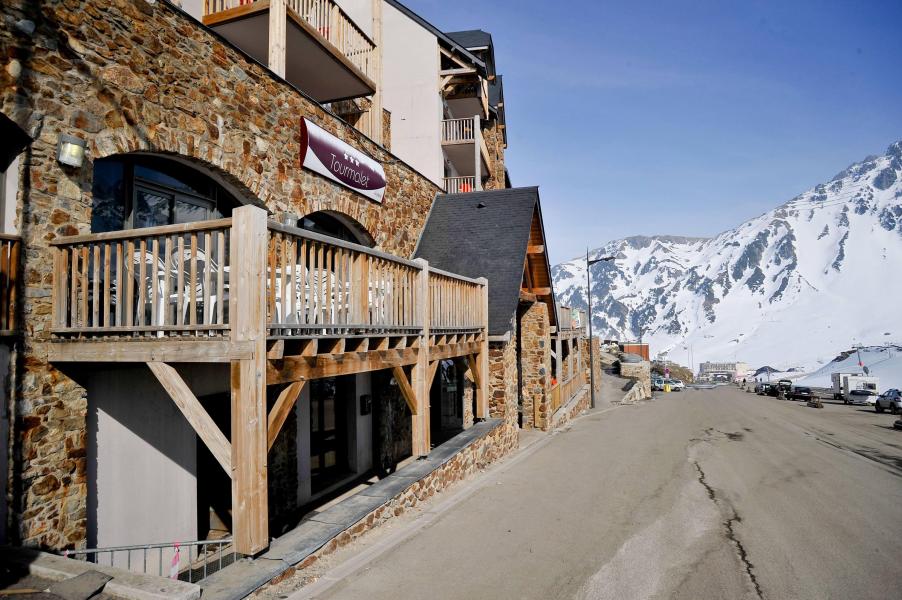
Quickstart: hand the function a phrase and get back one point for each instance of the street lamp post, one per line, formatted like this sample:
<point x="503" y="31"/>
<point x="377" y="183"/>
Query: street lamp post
<point x="589" y="263"/>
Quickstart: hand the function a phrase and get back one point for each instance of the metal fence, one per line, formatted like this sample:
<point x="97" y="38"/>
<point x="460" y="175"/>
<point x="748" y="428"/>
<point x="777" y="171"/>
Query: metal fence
<point x="187" y="561"/>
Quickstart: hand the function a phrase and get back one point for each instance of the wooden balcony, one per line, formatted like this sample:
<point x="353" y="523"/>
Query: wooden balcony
<point x="465" y="147"/>
<point x="313" y="44"/>
<point x="281" y="306"/>
<point x="571" y="321"/>
<point x="10" y="247"/>
<point x="564" y="391"/>
<point x="459" y="185"/>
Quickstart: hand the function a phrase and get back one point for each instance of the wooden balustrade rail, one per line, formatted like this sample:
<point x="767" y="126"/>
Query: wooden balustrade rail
<point x="455" y="302"/>
<point x="10" y="247"/>
<point x="459" y="185"/>
<point x="151" y="281"/>
<point x="458" y="130"/>
<point x="564" y="391"/>
<point x="323" y="285"/>
<point x="175" y="280"/>
<point x="329" y="21"/>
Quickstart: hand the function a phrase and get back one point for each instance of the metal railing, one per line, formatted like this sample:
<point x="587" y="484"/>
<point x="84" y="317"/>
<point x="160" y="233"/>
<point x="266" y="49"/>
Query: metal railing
<point x="460" y="185"/>
<point x="328" y="20"/>
<point x="165" y="560"/>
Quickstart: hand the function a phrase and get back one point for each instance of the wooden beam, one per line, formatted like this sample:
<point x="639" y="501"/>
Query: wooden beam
<point x="157" y="350"/>
<point x="280" y="410"/>
<point x="276" y="349"/>
<point x="278" y="19"/>
<point x="526" y="296"/>
<point x="482" y="358"/>
<point x="460" y="71"/>
<point x="406" y="389"/>
<point x="475" y="369"/>
<point x="541" y="291"/>
<point x="433" y="368"/>
<point x="300" y="368"/>
<point x="194" y="413"/>
<point x="535" y="249"/>
<point x="420" y="371"/>
<point x="453" y="350"/>
<point x="250" y="512"/>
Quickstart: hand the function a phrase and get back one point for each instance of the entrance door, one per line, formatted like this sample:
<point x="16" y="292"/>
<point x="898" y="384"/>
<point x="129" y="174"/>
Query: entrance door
<point x="328" y="432"/>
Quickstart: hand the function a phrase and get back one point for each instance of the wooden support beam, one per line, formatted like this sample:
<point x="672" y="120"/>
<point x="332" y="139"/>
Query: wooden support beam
<point x="406" y="389"/>
<point x="278" y="19"/>
<point x="535" y="249"/>
<point x="528" y="297"/>
<point x="420" y="371"/>
<point x="460" y="71"/>
<point x="276" y="349"/>
<point x="473" y="363"/>
<point x="433" y="368"/>
<point x="541" y="291"/>
<point x="482" y="359"/>
<point x="454" y="350"/>
<point x="250" y="514"/>
<point x="142" y="351"/>
<point x="300" y="368"/>
<point x="281" y="409"/>
<point x="194" y="413"/>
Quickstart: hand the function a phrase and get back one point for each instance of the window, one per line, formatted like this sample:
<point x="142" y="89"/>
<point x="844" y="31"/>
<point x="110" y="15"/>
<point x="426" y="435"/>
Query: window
<point x="143" y="191"/>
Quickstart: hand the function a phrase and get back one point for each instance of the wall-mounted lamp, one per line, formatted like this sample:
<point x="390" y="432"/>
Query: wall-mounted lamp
<point x="70" y="150"/>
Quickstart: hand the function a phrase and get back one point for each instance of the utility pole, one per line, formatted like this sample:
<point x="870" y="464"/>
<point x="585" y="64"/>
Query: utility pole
<point x="589" y="264"/>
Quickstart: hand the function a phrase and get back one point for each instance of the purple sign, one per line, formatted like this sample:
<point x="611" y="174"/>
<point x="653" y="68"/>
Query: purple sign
<point x="323" y="153"/>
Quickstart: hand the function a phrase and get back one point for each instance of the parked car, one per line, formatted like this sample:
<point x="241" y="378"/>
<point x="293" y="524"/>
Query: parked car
<point x="889" y="400"/>
<point x="657" y="384"/>
<point x="800" y="393"/>
<point x="763" y="388"/>
<point x="863" y="397"/>
<point x="676" y="385"/>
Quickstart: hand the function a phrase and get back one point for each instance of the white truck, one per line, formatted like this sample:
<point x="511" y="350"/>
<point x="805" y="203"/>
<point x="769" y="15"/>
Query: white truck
<point x="844" y="383"/>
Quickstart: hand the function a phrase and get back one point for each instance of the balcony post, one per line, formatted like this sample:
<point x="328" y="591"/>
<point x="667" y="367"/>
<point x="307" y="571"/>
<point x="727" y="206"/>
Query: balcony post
<point x="376" y="106"/>
<point x="558" y="347"/>
<point x="247" y="313"/>
<point x="277" y="23"/>
<point x="419" y="377"/>
<point x="477" y="147"/>
<point x="482" y="359"/>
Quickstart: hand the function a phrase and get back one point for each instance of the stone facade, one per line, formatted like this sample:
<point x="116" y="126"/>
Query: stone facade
<point x="535" y="363"/>
<point x="138" y="76"/>
<point x="494" y="143"/>
<point x="596" y="349"/>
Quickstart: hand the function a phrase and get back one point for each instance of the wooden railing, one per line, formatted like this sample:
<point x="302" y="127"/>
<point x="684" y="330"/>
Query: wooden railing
<point x="564" y="391"/>
<point x="10" y="246"/>
<point x="459" y="130"/>
<point x="455" y="302"/>
<point x="152" y="281"/>
<point x="571" y="318"/>
<point x="460" y="185"/>
<point x="320" y="285"/>
<point x="175" y="281"/>
<point x="329" y="21"/>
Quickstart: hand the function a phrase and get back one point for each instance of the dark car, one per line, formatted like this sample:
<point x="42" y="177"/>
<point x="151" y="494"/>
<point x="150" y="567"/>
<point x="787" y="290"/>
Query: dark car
<point x="763" y="389"/>
<point x="800" y="393"/>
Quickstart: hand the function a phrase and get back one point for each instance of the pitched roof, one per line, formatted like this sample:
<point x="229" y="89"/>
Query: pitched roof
<point x="474" y="38"/>
<point x="483" y="234"/>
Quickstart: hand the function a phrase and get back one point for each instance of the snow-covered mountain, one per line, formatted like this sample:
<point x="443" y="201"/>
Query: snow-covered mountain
<point x="793" y="286"/>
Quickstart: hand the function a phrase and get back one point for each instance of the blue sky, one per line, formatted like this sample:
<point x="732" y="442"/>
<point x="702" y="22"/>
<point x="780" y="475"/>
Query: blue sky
<point x="684" y="117"/>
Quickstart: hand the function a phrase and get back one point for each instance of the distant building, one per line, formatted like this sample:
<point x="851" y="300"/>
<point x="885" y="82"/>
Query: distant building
<point x="722" y="370"/>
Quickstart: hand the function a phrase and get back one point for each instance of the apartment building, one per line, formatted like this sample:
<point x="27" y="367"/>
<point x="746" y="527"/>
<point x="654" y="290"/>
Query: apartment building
<point x="213" y="309"/>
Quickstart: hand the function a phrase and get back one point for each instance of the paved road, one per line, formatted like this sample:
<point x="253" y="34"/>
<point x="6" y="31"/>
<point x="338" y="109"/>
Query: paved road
<point x="704" y="494"/>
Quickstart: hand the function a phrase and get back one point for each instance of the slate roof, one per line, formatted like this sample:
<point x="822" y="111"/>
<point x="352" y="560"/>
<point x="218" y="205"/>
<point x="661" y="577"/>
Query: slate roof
<point x="483" y="234"/>
<point x="474" y="38"/>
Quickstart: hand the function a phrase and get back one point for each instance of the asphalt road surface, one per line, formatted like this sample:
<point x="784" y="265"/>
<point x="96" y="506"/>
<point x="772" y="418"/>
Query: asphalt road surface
<point x="701" y="494"/>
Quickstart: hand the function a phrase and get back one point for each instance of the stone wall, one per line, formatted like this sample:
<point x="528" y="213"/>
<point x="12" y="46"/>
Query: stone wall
<point x="138" y="76"/>
<point x="494" y="142"/>
<point x="596" y="349"/>
<point x="535" y="362"/>
<point x="641" y="373"/>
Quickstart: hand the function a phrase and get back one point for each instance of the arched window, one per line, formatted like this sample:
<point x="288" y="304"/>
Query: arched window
<point x="133" y="191"/>
<point x="337" y="225"/>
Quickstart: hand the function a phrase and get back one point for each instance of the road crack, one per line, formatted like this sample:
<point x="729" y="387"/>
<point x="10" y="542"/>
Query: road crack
<point x="730" y="534"/>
